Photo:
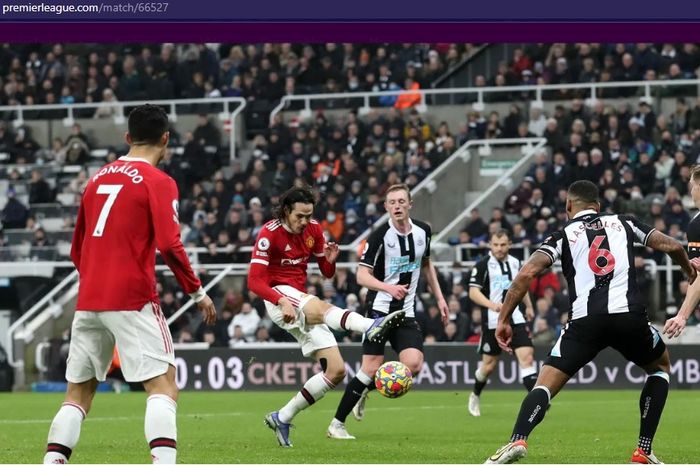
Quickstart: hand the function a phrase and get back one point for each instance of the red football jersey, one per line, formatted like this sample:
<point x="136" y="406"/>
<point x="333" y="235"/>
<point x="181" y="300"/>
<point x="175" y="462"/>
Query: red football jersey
<point x="281" y="257"/>
<point x="128" y="209"/>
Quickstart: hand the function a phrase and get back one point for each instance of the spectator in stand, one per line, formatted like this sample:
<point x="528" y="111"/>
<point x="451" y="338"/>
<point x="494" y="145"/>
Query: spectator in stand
<point x="14" y="214"/>
<point x="247" y="320"/>
<point x="39" y="189"/>
<point x="108" y="107"/>
<point x="77" y="148"/>
<point x="476" y="227"/>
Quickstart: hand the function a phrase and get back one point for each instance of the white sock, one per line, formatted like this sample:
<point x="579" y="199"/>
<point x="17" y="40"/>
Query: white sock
<point x="525" y="372"/>
<point x="342" y="320"/>
<point x="161" y="428"/>
<point x="64" y="433"/>
<point x="316" y="387"/>
<point x="364" y="378"/>
<point x="480" y="377"/>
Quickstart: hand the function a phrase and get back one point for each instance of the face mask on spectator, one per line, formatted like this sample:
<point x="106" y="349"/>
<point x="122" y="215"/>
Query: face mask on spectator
<point x="330" y="217"/>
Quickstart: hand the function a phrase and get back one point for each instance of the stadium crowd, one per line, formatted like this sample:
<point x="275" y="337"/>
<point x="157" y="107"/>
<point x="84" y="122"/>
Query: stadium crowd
<point x="639" y="159"/>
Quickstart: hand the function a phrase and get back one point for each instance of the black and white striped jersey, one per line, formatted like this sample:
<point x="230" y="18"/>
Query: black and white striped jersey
<point x="597" y="259"/>
<point x="396" y="259"/>
<point x="494" y="278"/>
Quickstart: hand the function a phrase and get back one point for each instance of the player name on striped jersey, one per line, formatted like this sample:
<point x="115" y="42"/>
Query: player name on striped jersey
<point x="597" y="259"/>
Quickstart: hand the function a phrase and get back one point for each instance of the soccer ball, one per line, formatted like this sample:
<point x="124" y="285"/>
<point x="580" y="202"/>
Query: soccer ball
<point x="393" y="379"/>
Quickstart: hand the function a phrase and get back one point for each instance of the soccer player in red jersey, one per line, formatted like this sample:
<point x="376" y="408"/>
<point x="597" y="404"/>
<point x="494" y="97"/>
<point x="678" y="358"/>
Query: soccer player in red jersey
<point x="129" y="208"/>
<point x="278" y="275"/>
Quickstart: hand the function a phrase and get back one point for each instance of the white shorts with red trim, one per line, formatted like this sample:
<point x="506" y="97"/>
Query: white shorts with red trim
<point x="311" y="337"/>
<point x="142" y="338"/>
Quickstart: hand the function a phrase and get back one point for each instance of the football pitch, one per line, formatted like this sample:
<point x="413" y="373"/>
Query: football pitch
<point x="422" y="427"/>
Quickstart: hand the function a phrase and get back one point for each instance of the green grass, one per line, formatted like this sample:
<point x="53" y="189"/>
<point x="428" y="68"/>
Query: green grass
<point x="422" y="427"/>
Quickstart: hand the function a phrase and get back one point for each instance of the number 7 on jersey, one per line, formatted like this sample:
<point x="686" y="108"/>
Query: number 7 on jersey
<point x="111" y="190"/>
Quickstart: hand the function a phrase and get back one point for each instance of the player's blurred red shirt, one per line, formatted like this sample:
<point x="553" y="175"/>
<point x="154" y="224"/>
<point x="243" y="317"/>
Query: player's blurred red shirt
<point x="128" y="209"/>
<point x="281" y="257"/>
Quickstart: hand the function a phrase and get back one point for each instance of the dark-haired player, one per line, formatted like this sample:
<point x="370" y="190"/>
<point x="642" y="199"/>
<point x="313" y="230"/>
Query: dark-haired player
<point x="128" y="209"/>
<point x="597" y="259"/>
<point x="280" y="256"/>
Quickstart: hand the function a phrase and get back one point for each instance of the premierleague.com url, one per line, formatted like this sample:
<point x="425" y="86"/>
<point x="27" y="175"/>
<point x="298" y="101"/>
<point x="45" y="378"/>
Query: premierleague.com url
<point x="92" y="8"/>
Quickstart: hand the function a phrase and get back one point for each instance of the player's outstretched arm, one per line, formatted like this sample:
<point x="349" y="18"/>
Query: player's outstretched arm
<point x="536" y="264"/>
<point x="674" y="326"/>
<point x="166" y="223"/>
<point x="663" y="243"/>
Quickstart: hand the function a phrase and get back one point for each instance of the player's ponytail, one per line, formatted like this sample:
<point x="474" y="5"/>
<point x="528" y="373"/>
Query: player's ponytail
<point x="302" y="194"/>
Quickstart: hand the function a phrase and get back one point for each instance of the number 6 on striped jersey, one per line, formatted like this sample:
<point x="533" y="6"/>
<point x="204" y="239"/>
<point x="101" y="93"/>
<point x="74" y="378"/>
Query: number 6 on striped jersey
<point x="111" y="190"/>
<point x="596" y="252"/>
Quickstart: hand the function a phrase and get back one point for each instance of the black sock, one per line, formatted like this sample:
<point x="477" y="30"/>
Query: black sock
<point x="371" y="386"/>
<point x="353" y="392"/>
<point x="651" y="405"/>
<point x="532" y="412"/>
<point x="479" y="386"/>
<point x="529" y="381"/>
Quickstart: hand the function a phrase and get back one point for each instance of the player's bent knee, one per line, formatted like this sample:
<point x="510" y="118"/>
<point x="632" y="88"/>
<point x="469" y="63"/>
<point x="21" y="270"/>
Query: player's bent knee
<point x="335" y="373"/>
<point x="663" y="364"/>
<point x="314" y="310"/>
<point x="82" y="394"/>
<point x="163" y="384"/>
<point x="415" y="366"/>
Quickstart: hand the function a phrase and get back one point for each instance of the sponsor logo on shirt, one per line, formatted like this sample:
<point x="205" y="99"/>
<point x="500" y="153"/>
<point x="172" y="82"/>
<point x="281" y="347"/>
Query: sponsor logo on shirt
<point x="402" y="265"/>
<point x="501" y="282"/>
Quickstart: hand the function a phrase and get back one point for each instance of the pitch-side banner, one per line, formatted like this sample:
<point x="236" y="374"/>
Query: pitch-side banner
<point x="446" y="367"/>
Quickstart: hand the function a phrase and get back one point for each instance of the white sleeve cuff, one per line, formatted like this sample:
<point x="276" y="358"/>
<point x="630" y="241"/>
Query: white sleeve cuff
<point x="198" y="295"/>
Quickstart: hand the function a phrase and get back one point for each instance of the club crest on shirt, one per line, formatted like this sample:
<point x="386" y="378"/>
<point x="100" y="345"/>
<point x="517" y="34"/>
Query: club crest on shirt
<point x="310" y="242"/>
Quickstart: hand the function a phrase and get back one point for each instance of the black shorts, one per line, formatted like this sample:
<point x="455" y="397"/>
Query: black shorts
<point x="407" y="335"/>
<point x="631" y="334"/>
<point x="489" y="346"/>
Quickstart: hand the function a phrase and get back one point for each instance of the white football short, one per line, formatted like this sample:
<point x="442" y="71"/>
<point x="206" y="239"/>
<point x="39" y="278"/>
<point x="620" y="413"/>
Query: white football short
<point x="142" y="338"/>
<point x="311" y="337"/>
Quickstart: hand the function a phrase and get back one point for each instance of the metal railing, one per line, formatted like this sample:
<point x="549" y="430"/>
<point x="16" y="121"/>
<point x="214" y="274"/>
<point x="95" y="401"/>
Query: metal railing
<point x="529" y="152"/>
<point x="428" y="184"/>
<point x="18" y="325"/>
<point x="191" y="302"/>
<point x="120" y="118"/>
<point x="539" y="90"/>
